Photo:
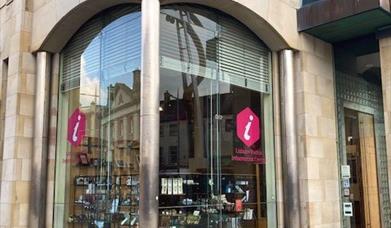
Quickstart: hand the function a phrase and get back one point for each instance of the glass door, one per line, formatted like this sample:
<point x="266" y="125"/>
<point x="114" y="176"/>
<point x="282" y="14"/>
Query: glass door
<point x="241" y="160"/>
<point x="361" y="158"/>
<point x="212" y="163"/>
<point x="189" y="165"/>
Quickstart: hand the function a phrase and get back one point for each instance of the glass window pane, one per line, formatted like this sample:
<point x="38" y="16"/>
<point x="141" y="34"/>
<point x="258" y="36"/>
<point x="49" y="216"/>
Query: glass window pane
<point x="101" y="135"/>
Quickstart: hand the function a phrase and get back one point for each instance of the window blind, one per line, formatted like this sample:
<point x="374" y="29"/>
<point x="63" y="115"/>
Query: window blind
<point x="226" y="50"/>
<point x="102" y="46"/>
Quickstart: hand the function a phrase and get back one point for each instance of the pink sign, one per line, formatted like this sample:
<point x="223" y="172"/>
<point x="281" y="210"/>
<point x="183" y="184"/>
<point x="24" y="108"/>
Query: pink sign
<point x="247" y="127"/>
<point x="76" y="127"/>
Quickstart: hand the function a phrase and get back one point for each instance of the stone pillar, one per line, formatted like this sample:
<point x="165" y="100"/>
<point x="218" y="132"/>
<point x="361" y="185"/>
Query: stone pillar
<point x="19" y="116"/>
<point x="149" y="114"/>
<point x="40" y="152"/>
<point x="385" y="62"/>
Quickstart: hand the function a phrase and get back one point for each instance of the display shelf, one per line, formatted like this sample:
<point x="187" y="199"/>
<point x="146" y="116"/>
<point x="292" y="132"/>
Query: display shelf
<point x="198" y="189"/>
<point x="104" y="200"/>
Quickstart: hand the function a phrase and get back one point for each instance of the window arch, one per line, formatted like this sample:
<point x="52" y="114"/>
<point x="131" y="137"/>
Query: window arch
<point x="212" y="69"/>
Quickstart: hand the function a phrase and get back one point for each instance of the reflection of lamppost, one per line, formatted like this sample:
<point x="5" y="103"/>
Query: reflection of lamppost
<point x="166" y="103"/>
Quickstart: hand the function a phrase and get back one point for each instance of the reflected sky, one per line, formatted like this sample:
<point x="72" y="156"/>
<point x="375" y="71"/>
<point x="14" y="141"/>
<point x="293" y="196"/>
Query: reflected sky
<point x="110" y="58"/>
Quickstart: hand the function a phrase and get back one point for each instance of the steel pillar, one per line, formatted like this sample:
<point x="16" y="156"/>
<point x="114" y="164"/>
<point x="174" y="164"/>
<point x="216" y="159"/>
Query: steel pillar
<point x="149" y="114"/>
<point x="289" y="140"/>
<point x="37" y="210"/>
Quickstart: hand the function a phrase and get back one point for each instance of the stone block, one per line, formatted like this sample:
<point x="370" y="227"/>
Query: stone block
<point x="12" y="169"/>
<point x="306" y="43"/>
<point x="327" y="128"/>
<point x="28" y="126"/>
<point x="313" y="104"/>
<point x="328" y="108"/>
<point x="26" y="170"/>
<point x="7" y="189"/>
<point x="27" y="85"/>
<point x="330" y="212"/>
<point x="315" y="147"/>
<point x="26" y="105"/>
<point x="38" y="4"/>
<point x="315" y="191"/>
<point x="24" y="147"/>
<point x="328" y="169"/>
<point x="300" y="103"/>
<point x="28" y="63"/>
<point x="23" y="215"/>
<point x="9" y="150"/>
<point x="323" y="49"/>
<point x="44" y="19"/>
<point x="301" y="146"/>
<point x="307" y="125"/>
<point x="325" y="86"/>
<point x="63" y="7"/>
<point x="12" y="84"/>
<point x="314" y="214"/>
<point x="10" y="126"/>
<point x="313" y="168"/>
<point x="22" y="191"/>
<point x="6" y="214"/>
<point x="23" y="22"/>
<point x="385" y="43"/>
<point x="316" y="65"/>
<point x="330" y="148"/>
<point x="331" y="189"/>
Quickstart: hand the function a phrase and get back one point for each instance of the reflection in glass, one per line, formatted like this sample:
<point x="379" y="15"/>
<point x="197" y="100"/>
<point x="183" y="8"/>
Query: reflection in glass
<point x="212" y="69"/>
<point x="101" y="173"/>
<point x="208" y="176"/>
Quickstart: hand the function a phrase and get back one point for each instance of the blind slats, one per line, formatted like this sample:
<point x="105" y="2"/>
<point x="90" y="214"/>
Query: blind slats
<point x="226" y="50"/>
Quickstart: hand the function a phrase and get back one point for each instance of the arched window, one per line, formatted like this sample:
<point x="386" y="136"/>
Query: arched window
<point x="214" y="123"/>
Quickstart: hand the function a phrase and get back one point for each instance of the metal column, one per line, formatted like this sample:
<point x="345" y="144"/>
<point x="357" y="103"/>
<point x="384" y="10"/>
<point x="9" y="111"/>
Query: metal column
<point x="41" y="126"/>
<point x="149" y="114"/>
<point x="289" y="140"/>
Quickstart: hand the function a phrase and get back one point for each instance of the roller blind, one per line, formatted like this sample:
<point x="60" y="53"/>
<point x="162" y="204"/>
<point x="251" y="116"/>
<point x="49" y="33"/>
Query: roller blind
<point x="243" y="59"/>
<point x="71" y="54"/>
<point x="228" y="52"/>
<point x="103" y="46"/>
<point x="187" y="48"/>
<point x="225" y="50"/>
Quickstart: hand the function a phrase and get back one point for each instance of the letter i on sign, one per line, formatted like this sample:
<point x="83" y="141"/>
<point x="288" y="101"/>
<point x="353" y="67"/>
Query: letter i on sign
<point x="76" y="127"/>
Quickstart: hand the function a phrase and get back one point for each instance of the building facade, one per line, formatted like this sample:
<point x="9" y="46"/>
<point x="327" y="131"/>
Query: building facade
<point x="196" y="113"/>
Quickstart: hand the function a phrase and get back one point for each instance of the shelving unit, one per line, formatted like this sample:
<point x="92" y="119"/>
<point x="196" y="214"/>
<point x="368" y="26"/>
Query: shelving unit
<point x="106" y="199"/>
<point x="198" y="207"/>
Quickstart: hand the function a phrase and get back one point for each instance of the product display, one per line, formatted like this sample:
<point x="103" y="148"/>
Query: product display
<point x="98" y="199"/>
<point x="198" y="204"/>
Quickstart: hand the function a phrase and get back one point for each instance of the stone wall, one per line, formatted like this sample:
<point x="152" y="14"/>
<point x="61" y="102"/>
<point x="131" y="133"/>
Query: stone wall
<point x="15" y="23"/>
<point x="316" y="123"/>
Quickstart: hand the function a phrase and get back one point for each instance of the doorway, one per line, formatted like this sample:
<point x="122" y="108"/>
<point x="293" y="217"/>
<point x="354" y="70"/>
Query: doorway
<point x="361" y="158"/>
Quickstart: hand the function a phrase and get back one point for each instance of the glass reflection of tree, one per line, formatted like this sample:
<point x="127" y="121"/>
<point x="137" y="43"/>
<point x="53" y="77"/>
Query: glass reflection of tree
<point x="166" y="104"/>
<point x="190" y="91"/>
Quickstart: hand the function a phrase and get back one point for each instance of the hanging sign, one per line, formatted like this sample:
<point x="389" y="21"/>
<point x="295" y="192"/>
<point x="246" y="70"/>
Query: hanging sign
<point x="76" y="127"/>
<point x="248" y="131"/>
